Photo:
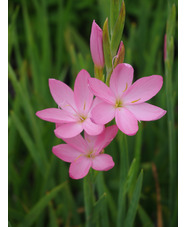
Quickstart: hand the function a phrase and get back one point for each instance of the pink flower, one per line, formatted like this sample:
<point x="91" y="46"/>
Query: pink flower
<point x="86" y="153"/>
<point x="73" y="114"/>
<point x="126" y="101"/>
<point x="96" y="45"/>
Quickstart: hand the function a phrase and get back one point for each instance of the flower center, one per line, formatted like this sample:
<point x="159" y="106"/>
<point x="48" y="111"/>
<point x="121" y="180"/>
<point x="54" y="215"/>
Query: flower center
<point x="82" y="117"/>
<point x="118" y="104"/>
<point x="90" y="154"/>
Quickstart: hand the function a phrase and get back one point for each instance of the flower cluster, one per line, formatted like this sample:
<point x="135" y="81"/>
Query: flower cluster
<point x="79" y="111"/>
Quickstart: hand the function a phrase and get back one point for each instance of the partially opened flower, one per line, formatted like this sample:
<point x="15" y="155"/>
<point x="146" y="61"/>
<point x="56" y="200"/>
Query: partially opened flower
<point x="126" y="101"/>
<point x="73" y="114"/>
<point x="86" y="153"/>
<point x="96" y="45"/>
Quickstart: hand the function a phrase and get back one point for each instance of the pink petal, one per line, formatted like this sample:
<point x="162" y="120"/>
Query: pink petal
<point x="143" y="89"/>
<point x="80" y="167"/>
<point x="126" y="121"/>
<point x="102" y="162"/>
<point x="77" y="142"/>
<point x="96" y="45"/>
<point x="68" y="130"/>
<point x="101" y="90"/>
<point x="95" y="102"/>
<point x="146" y="112"/>
<point x="62" y="94"/>
<point x="105" y="138"/>
<point x="82" y="94"/>
<point x="58" y="125"/>
<point x="121" y="78"/>
<point x="92" y="128"/>
<point x="103" y="113"/>
<point x="55" y="115"/>
<point x="90" y="140"/>
<point x="66" y="153"/>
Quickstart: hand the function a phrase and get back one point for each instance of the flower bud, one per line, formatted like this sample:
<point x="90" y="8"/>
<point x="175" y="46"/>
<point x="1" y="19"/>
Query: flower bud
<point x="120" y="55"/>
<point x="96" y="45"/>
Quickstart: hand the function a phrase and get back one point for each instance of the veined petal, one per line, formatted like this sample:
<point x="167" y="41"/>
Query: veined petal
<point x="126" y="121"/>
<point x="146" y="111"/>
<point x="102" y="162"/>
<point x="82" y="94"/>
<point x="66" y="153"/>
<point x="79" y="168"/>
<point x="90" y="140"/>
<point x="95" y="102"/>
<point x="121" y="79"/>
<point x="78" y="143"/>
<point x="105" y="138"/>
<point x="101" y="90"/>
<point x="55" y="115"/>
<point x="92" y="128"/>
<point x="103" y="113"/>
<point x="68" y="130"/>
<point x="143" y="89"/>
<point x="62" y="94"/>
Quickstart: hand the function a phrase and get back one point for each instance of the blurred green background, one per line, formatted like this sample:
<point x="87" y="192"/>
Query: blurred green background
<point x="50" y="39"/>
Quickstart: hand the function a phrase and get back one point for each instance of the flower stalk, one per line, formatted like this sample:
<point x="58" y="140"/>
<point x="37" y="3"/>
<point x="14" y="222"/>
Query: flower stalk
<point x="169" y="61"/>
<point x="88" y="199"/>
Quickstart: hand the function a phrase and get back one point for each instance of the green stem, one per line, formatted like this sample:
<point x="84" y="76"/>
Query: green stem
<point x="88" y="199"/>
<point x="101" y="191"/>
<point x="124" y="165"/>
<point x="169" y="61"/>
<point x="98" y="73"/>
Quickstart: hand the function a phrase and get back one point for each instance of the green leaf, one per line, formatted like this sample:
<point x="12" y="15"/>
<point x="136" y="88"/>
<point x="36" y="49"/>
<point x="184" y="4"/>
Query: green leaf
<point x="103" y="208"/>
<point x="125" y="186"/>
<point x="32" y="216"/>
<point x="53" y="217"/>
<point x="32" y="49"/>
<point x="99" y="205"/>
<point x="114" y="11"/>
<point x="29" y="113"/>
<point x="28" y="142"/>
<point x="118" y="30"/>
<point x="134" y="202"/>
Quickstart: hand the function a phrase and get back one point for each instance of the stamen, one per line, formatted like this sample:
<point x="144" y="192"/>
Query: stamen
<point x="78" y="157"/>
<point x="90" y="154"/>
<point x="82" y="118"/>
<point x="84" y="105"/>
<point x="118" y="104"/>
<point x="135" y="100"/>
<point x="126" y="87"/>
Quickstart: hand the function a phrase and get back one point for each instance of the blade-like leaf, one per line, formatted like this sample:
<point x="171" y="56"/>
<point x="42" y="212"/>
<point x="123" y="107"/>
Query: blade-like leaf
<point x="134" y="202"/>
<point x="118" y="30"/>
<point x="32" y="216"/>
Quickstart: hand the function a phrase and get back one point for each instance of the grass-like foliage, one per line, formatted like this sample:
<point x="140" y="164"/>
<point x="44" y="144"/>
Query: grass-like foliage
<point x="51" y="39"/>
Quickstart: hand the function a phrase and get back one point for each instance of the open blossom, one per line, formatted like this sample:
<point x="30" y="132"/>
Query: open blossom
<point x="86" y="153"/>
<point x="126" y="101"/>
<point x="73" y="114"/>
<point x="96" y="45"/>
